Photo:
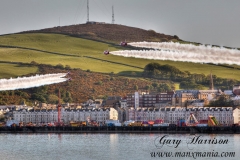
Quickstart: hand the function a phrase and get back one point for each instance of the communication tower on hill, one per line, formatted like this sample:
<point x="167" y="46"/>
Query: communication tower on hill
<point x="87" y="10"/>
<point x="113" y="15"/>
<point x="92" y="22"/>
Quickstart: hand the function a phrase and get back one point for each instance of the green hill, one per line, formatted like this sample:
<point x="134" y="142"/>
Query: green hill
<point x="86" y="54"/>
<point x="81" y="47"/>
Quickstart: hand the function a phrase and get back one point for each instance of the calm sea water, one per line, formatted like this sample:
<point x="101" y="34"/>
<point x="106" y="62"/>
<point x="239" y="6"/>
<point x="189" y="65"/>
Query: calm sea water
<point x="108" y="146"/>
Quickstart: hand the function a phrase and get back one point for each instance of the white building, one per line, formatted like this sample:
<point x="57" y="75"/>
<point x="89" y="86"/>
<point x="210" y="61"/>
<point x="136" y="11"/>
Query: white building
<point x="236" y="115"/>
<point x="224" y="115"/>
<point x="113" y="114"/>
<point x="48" y="116"/>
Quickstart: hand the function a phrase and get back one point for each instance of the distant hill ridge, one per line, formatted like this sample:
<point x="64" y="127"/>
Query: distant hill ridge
<point x="109" y="33"/>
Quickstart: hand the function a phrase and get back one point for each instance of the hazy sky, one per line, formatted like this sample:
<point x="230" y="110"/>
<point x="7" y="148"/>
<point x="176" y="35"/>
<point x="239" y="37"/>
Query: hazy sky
<point x="204" y="21"/>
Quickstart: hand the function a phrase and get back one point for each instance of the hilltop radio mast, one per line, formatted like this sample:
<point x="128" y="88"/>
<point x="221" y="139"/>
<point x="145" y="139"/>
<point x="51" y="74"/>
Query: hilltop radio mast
<point x="87" y="10"/>
<point x="113" y="15"/>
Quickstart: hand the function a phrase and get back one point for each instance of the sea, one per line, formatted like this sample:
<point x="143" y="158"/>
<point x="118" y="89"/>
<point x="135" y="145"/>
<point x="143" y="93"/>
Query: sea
<point x="119" y="146"/>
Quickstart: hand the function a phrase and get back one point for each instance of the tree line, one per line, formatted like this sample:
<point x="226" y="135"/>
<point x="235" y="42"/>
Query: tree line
<point x="37" y="94"/>
<point x="185" y="78"/>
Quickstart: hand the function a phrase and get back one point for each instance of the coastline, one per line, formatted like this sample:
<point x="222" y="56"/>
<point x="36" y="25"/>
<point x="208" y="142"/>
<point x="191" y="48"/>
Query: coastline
<point x="104" y="129"/>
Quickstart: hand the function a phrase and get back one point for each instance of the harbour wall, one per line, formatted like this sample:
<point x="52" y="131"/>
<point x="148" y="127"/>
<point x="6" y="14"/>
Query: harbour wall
<point x="123" y="129"/>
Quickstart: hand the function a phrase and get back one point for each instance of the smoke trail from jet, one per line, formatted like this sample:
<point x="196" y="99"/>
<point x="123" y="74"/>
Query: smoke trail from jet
<point x="201" y="49"/>
<point x="182" y="52"/>
<point x="33" y="81"/>
<point x="178" y="56"/>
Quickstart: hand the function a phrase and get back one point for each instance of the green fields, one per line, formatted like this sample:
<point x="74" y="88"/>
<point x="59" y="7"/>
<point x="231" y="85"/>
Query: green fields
<point x="14" y="70"/>
<point x="71" y="51"/>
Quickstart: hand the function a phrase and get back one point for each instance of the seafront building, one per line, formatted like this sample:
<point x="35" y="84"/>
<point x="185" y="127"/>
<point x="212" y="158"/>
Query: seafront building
<point x="236" y="115"/>
<point x="37" y="116"/>
<point x="143" y="106"/>
<point x="224" y="115"/>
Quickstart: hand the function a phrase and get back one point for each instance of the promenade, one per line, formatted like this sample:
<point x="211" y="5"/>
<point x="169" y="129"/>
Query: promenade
<point x="123" y="129"/>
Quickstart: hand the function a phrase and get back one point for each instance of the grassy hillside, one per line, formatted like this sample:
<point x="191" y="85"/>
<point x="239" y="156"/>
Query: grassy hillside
<point x="8" y="70"/>
<point x="81" y="47"/>
<point x="87" y="54"/>
<point x="26" y="56"/>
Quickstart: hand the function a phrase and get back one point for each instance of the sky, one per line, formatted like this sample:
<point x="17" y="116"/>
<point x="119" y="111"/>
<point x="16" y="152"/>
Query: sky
<point x="213" y="22"/>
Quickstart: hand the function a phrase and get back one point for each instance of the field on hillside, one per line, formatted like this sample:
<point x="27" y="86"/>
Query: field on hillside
<point x="55" y="48"/>
<point x="14" y="70"/>
<point x="26" y="56"/>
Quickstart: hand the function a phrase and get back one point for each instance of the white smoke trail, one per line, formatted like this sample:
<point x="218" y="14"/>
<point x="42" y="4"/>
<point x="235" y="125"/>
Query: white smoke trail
<point x="182" y="52"/>
<point x="33" y="81"/>
<point x="178" y="56"/>
<point x="202" y="49"/>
